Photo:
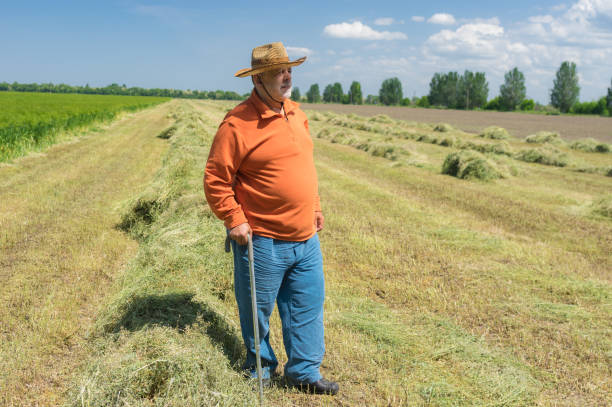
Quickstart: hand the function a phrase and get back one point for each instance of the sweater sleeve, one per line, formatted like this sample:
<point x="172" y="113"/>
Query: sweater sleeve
<point x="224" y="159"/>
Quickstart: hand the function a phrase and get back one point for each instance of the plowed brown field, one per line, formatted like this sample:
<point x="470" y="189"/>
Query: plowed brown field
<point x="518" y="124"/>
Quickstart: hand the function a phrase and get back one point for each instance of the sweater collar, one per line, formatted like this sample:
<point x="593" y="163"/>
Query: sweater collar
<point x="265" y="112"/>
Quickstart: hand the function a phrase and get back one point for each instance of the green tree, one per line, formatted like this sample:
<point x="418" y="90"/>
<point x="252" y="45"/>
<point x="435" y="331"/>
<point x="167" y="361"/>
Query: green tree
<point x="527" y="104"/>
<point x="493" y="104"/>
<point x="565" y="89"/>
<point x="355" y="95"/>
<point x="472" y="90"/>
<point x="391" y="92"/>
<point x="313" y="95"/>
<point x="480" y="90"/>
<point x="327" y="94"/>
<point x="372" y="100"/>
<point x="295" y="94"/>
<point x="443" y="89"/>
<point x="512" y="91"/>
<point x="337" y="93"/>
<point x="423" y="101"/>
<point x="465" y="91"/>
<point x="609" y="98"/>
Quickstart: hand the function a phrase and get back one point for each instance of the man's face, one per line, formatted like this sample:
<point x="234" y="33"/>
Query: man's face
<point x="278" y="82"/>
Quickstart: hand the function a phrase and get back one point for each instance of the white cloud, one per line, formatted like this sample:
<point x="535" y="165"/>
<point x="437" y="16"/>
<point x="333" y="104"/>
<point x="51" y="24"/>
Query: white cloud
<point x="442" y="18"/>
<point x="418" y="19"/>
<point x="384" y="21"/>
<point x="547" y="19"/>
<point x="358" y="30"/>
<point x="471" y="39"/>
<point x="298" y="51"/>
<point x="585" y="9"/>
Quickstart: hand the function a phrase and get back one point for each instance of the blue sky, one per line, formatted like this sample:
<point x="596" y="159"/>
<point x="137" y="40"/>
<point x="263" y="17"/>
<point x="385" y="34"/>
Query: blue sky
<point x="200" y="44"/>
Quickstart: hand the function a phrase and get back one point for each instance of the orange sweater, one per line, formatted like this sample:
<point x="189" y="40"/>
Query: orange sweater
<point x="260" y="170"/>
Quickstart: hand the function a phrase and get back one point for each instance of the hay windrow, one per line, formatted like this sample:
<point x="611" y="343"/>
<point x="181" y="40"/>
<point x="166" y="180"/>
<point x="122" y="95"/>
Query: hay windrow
<point x="315" y="116"/>
<point x="167" y="133"/>
<point x="542" y="137"/>
<point x="546" y="156"/>
<point x="501" y="148"/>
<point x="495" y="133"/>
<point x="381" y="118"/>
<point x="443" y="127"/>
<point x="590" y="145"/>
<point x="470" y="165"/>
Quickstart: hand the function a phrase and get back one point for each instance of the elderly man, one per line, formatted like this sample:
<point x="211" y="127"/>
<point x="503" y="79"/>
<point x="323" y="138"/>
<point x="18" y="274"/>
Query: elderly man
<point x="261" y="181"/>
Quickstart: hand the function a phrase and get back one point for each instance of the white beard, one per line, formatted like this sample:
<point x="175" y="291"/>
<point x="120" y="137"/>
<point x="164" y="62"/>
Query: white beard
<point x="287" y="94"/>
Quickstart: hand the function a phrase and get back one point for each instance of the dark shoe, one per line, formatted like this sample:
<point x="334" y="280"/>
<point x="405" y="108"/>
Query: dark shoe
<point x="322" y="386"/>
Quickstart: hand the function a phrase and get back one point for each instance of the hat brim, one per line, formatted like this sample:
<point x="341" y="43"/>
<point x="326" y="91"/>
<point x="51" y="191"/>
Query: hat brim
<point x="254" y="71"/>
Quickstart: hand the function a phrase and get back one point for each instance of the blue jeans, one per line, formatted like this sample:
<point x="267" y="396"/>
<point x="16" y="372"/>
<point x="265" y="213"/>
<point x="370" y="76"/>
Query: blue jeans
<point x="290" y="273"/>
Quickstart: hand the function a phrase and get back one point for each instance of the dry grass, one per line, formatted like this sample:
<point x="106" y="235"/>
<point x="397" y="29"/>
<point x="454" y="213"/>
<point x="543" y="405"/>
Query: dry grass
<point x="439" y="291"/>
<point x="59" y="249"/>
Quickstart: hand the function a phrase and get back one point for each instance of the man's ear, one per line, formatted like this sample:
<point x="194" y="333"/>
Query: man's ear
<point x="256" y="79"/>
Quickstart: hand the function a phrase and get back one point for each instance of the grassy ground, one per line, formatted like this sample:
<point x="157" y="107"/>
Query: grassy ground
<point x="440" y="291"/>
<point x="60" y="251"/>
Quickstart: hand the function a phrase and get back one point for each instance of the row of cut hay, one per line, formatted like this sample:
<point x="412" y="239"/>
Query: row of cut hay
<point x="376" y="148"/>
<point x="587" y="145"/>
<point x="495" y="133"/>
<point x="473" y="162"/>
<point x="465" y="164"/>
<point x="164" y="336"/>
<point x="545" y="154"/>
<point x="544" y="137"/>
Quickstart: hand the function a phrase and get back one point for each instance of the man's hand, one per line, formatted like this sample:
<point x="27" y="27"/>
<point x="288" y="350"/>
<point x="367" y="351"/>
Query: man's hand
<point x="240" y="233"/>
<point x="319" y="220"/>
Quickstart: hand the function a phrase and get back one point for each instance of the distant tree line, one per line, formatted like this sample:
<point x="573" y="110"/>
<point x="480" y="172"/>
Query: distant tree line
<point x="115" y="89"/>
<point x="448" y="90"/>
<point x="470" y="91"/>
<point x="390" y="94"/>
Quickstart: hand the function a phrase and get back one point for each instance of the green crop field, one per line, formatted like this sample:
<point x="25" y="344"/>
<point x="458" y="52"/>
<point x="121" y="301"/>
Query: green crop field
<point x="462" y="269"/>
<point x="33" y="120"/>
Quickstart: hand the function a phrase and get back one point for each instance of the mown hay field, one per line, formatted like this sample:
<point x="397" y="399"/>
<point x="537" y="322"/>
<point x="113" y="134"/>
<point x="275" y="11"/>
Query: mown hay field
<point x="518" y="124"/>
<point x="31" y="120"/>
<point x="462" y="269"/>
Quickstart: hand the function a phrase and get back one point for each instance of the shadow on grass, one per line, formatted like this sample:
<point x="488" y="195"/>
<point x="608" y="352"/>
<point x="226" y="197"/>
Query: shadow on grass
<point x="179" y="311"/>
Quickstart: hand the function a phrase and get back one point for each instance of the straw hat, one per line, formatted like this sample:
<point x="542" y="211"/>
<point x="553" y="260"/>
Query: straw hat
<point x="268" y="57"/>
